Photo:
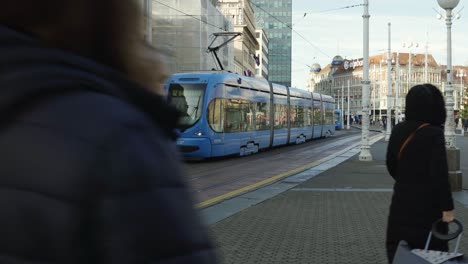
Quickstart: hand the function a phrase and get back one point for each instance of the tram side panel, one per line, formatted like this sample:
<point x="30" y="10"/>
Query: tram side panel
<point x="255" y="133"/>
<point x="217" y="111"/>
<point x="280" y="118"/>
<point x="301" y="128"/>
<point x="329" y="114"/>
<point x="317" y="116"/>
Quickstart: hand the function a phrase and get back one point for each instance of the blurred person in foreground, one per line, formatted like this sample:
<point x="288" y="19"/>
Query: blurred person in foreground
<point x="88" y="171"/>
<point x="417" y="160"/>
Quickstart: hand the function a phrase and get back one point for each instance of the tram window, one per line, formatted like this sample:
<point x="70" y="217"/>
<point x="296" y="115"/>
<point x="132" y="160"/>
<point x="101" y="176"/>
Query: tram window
<point x="262" y="120"/>
<point x="317" y="113"/>
<point x="300" y="116"/>
<point x="292" y="116"/>
<point x="239" y="115"/>
<point x="188" y="99"/>
<point x="297" y="116"/>
<point x="215" y="114"/>
<point x="308" y="116"/>
<point x="281" y="114"/>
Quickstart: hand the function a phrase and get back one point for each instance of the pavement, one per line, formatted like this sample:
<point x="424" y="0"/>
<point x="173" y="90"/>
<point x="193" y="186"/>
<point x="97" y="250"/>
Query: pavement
<point x="335" y="212"/>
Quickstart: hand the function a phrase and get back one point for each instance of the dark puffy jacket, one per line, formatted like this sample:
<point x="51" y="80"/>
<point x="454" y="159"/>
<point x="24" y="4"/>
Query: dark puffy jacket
<point x="88" y="171"/>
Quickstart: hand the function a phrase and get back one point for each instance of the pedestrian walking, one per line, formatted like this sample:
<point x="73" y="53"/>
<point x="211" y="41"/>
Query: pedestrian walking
<point x="89" y="170"/>
<point x="417" y="160"/>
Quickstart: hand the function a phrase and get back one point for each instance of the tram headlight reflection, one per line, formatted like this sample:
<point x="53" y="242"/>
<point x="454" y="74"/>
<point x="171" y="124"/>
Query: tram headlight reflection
<point x="199" y="133"/>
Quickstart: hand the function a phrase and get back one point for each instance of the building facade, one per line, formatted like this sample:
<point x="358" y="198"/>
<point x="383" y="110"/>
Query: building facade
<point x="406" y="71"/>
<point x="275" y="17"/>
<point x="261" y="59"/>
<point x="241" y="14"/>
<point x="184" y="30"/>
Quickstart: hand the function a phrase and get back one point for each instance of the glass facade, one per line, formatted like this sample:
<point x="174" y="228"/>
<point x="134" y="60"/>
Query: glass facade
<point x="184" y="29"/>
<point x="275" y="17"/>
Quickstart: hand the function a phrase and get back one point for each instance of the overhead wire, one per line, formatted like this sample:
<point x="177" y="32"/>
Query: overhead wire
<point x="303" y="17"/>
<point x="334" y="9"/>
<point x="269" y="14"/>
<point x="323" y="11"/>
<point x="192" y="16"/>
<point x="290" y="27"/>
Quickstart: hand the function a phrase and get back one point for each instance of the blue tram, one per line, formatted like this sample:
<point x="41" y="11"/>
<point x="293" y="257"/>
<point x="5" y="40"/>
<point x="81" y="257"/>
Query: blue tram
<point x="229" y="114"/>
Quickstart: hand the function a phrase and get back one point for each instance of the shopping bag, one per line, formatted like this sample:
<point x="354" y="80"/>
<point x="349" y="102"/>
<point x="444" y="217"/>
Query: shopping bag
<point x="406" y="255"/>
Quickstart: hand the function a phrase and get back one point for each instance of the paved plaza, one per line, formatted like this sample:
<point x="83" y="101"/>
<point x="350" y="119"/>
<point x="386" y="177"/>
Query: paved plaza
<point x="335" y="216"/>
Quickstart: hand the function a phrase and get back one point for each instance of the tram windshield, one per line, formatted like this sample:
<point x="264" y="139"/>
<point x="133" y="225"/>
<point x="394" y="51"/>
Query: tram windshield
<point x="188" y="99"/>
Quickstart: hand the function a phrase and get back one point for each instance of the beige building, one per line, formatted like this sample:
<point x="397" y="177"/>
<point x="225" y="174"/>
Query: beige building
<point x="261" y="67"/>
<point x="334" y="79"/>
<point x="241" y="14"/>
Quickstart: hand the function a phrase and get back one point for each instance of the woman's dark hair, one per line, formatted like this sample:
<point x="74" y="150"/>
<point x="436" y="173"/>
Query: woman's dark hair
<point x="107" y="31"/>
<point x="425" y="103"/>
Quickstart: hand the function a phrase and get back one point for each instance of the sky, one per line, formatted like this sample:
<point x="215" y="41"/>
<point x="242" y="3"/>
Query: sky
<point x="329" y="29"/>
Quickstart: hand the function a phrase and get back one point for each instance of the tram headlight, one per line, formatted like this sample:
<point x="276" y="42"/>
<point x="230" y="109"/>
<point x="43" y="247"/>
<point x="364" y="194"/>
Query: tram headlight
<point x="199" y="133"/>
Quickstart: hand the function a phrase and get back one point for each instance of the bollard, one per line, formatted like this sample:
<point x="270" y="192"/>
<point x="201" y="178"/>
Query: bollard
<point x="455" y="174"/>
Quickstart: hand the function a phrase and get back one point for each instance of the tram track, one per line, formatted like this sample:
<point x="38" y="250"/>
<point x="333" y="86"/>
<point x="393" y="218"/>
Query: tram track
<point x="216" y="178"/>
<point x="240" y="177"/>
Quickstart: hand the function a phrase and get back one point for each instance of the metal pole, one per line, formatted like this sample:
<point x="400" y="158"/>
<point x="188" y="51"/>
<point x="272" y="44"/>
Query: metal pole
<point x="380" y="90"/>
<point x="349" y="113"/>
<point x="460" y="126"/>
<point x="449" y="124"/>
<point x="389" y="87"/>
<point x="342" y="105"/>
<point x="149" y="20"/>
<point x="397" y="89"/>
<point x="373" y="96"/>
<point x="425" y="59"/>
<point x="409" y="74"/>
<point x="365" y="154"/>
<point x="461" y="90"/>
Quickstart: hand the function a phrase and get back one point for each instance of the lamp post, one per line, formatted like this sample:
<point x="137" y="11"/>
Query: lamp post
<point x="349" y="113"/>
<point x="461" y="74"/>
<point x="409" y="46"/>
<point x="373" y="95"/>
<point x="397" y="88"/>
<point x="380" y="88"/>
<point x="342" y="106"/>
<point x="365" y="154"/>
<point x="453" y="153"/>
<point x="147" y="7"/>
<point x="389" y="87"/>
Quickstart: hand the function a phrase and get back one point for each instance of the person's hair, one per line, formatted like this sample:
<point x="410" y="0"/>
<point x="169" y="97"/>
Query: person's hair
<point x="425" y="103"/>
<point x="107" y="31"/>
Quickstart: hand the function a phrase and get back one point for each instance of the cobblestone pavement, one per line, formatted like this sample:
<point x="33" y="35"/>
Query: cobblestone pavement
<point x="339" y="216"/>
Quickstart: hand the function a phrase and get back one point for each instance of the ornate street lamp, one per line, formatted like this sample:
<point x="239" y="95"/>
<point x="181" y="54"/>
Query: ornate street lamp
<point x="389" y="88"/>
<point x="453" y="153"/>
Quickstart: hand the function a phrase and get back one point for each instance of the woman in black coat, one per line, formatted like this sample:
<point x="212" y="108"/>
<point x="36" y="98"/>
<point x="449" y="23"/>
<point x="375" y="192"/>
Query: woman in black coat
<point x="421" y="192"/>
<point x="89" y="171"/>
